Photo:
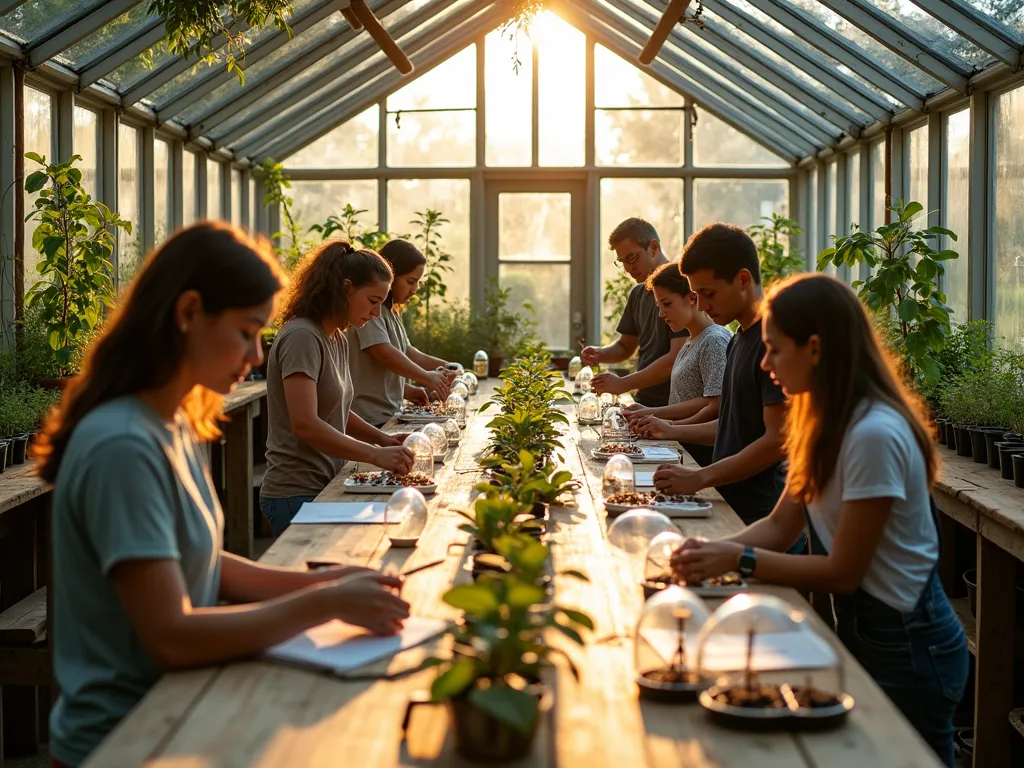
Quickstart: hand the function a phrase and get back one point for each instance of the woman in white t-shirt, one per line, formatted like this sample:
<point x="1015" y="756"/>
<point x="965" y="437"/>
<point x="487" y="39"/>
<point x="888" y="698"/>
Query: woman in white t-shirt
<point x="861" y="463"/>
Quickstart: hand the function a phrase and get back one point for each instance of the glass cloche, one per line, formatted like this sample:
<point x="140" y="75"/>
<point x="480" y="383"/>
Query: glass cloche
<point x="459" y="387"/>
<point x="619" y="476"/>
<point x="481" y="363"/>
<point x="664" y="646"/>
<point x="423" y="449"/>
<point x="614" y="427"/>
<point x="608" y="400"/>
<point x="409" y="508"/>
<point x="471" y="381"/>
<point x="575" y="365"/>
<point x="631" y="535"/>
<point x="658" y="563"/>
<point x="438" y="438"/>
<point x="583" y="379"/>
<point x="625" y="400"/>
<point x="771" y="665"/>
<point x="451" y="429"/>
<point x="590" y="408"/>
<point x="455" y="406"/>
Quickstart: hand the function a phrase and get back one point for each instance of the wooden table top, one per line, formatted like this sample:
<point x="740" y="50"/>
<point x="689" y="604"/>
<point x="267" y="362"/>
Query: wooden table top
<point x="243" y="394"/>
<point x="259" y="714"/>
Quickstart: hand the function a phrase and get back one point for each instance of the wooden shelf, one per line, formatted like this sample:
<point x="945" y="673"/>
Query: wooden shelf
<point x="963" y="612"/>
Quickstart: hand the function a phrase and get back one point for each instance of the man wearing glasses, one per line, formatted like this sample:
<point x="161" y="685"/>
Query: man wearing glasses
<point x="638" y="252"/>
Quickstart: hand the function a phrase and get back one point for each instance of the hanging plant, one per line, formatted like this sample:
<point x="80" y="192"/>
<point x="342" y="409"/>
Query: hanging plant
<point x="521" y="14"/>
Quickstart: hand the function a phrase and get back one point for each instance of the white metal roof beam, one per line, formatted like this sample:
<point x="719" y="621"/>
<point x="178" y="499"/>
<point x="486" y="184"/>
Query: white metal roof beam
<point x="762" y="127"/>
<point x="345" y="85"/>
<point x="244" y="97"/>
<point x="99" y="68"/>
<point x="980" y="28"/>
<point x="843" y="85"/>
<point x="725" y="69"/>
<point x="440" y="49"/>
<point x="829" y="42"/>
<point x="78" y="27"/>
<point x="212" y="80"/>
<point x="901" y="41"/>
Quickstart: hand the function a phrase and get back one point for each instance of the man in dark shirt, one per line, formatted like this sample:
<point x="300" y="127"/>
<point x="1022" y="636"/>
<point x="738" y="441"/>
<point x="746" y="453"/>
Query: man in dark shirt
<point x="721" y="264"/>
<point x="638" y="251"/>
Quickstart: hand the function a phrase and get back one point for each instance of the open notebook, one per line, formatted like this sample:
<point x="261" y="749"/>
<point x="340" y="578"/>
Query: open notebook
<point x="327" y="512"/>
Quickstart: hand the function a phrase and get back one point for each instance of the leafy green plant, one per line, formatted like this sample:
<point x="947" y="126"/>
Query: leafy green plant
<point x="616" y="296"/>
<point x="22" y="407"/>
<point x="432" y="284"/>
<point x="526" y="479"/>
<point x="777" y="257"/>
<point x="347" y="224"/>
<point x="276" y="182"/>
<point x="503" y="331"/>
<point x="498" y="515"/>
<point x="32" y="358"/>
<point x="75" y="237"/>
<point x="968" y="348"/>
<point x="902" y="291"/>
<point x="987" y="394"/>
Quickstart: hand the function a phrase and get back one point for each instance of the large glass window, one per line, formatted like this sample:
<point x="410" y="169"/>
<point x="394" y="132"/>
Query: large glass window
<point x="832" y="208"/>
<point x="561" y="92"/>
<point x="509" y="107"/>
<point x="188" y="188"/>
<point x="236" y="197"/>
<point x="38" y="139"/>
<point x="214" y="205"/>
<point x="737" y="201"/>
<point x="353" y="144"/>
<point x="956" y="183"/>
<point x="877" y="184"/>
<point x="161" y="190"/>
<point x="314" y="201"/>
<point x="432" y="120"/>
<point x="813" y="246"/>
<point x="86" y="144"/>
<point x="716" y="143"/>
<point x="252" y="204"/>
<point x="915" y="177"/>
<point x="853" y="190"/>
<point x="449" y="196"/>
<point x="1008" y="288"/>
<point x="129" y="247"/>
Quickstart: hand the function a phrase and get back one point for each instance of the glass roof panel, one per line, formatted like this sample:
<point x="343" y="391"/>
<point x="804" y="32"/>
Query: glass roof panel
<point x="134" y="70"/>
<point x="113" y="35"/>
<point x="936" y="34"/>
<point x="897" y="64"/>
<point x="38" y="18"/>
<point x="618" y="83"/>
<point x="1008" y="12"/>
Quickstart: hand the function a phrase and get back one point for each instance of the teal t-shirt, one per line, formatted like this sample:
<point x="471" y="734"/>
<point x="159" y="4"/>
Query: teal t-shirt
<point x="130" y="487"/>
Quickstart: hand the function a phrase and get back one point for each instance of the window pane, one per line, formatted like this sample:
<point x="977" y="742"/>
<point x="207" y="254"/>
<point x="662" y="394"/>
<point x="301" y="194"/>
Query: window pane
<point x="545" y="287"/>
<point x="188" y="187"/>
<point x="1008" y="113"/>
<point x="812" y="213"/>
<point x="955" y="207"/>
<point x="451" y="198"/>
<point x="877" y="184"/>
<point x="915" y="181"/>
<point x="936" y="35"/>
<point x="660" y="201"/>
<point x="737" y="201"/>
<point x="38" y="18"/>
<point x="432" y="138"/>
<point x="716" y="143"/>
<point x="618" y="83"/>
<point x="353" y="144"/>
<point x="832" y="223"/>
<point x="509" y="111"/>
<point x="213" y="199"/>
<point x="561" y="93"/>
<point x="113" y="35"/>
<point x="316" y="200"/>
<point x="252" y="204"/>
<point x="161" y="190"/>
<point x="853" y="189"/>
<point x="236" y="197"/>
<point x="129" y="247"/>
<point x="86" y="144"/>
<point x="534" y="226"/>
<point x="639" y="137"/>
<point x="1009" y="12"/>
<point x="451" y="85"/>
<point x="38" y="139"/>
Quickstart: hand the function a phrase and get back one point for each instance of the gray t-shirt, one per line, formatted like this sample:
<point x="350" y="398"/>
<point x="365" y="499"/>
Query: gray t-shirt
<point x="700" y="365"/>
<point x="295" y="468"/>
<point x="130" y="487"/>
<point x="642" y="319"/>
<point x="378" y="391"/>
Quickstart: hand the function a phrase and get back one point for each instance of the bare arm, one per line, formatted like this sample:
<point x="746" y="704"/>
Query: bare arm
<point x="756" y="457"/>
<point x="622" y="349"/>
<point x="422" y="359"/>
<point x="361" y="430"/>
<point x="698" y="434"/>
<point x="657" y="372"/>
<point x="243" y="581"/>
<point x="708" y="411"/>
<point x="392" y="358"/>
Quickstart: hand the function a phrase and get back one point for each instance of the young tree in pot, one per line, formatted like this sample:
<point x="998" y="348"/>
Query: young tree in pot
<point x="75" y="238"/>
<point x="493" y="517"/>
<point x="527" y="481"/>
<point x="504" y="333"/>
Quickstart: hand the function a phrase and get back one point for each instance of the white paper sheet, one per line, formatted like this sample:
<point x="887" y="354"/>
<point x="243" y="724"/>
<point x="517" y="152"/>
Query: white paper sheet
<point x="772" y="652"/>
<point x="341" y="647"/>
<point x="321" y="512"/>
<point x="659" y="453"/>
<point x="645" y="479"/>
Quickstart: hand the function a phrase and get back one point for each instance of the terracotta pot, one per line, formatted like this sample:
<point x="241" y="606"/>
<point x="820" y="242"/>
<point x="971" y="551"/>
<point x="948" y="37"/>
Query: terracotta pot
<point x="495" y="365"/>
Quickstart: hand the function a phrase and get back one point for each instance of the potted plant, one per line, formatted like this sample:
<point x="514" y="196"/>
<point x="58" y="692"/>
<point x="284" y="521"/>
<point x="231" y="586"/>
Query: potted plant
<point x="493" y="517"/>
<point x="527" y="481"/>
<point x="502" y="332"/>
<point x="777" y="257"/>
<point x="22" y="409"/>
<point x="75" y="238"/>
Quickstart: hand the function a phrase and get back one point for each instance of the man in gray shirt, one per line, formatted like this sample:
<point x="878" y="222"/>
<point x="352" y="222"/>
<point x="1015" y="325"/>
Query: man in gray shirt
<point x="638" y="251"/>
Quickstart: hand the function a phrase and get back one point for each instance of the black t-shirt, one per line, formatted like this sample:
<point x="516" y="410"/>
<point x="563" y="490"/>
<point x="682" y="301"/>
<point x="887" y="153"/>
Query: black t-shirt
<point x="746" y="389"/>
<point x="641" y="319"/>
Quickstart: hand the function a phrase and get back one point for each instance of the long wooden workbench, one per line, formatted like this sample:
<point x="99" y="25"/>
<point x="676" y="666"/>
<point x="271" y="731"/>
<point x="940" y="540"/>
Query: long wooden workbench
<point x="260" y="714"/>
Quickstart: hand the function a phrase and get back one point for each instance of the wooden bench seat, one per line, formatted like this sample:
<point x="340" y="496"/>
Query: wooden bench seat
<point x="24" y="623"/>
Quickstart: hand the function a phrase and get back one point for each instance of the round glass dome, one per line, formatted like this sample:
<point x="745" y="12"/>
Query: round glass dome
<point x="423" y="449"/>
<point x="664" y="646"/>
<point x="455" y="406"/>
<point x="451" y="429"/>
<point x="583" y="379"/>
<point x="438" y="438"/>
<point x="457" y="367"/>
<point x="631" y="535"/>
<point x="614" y="427"/>
<point x="574" y="367"/>
<point x="481" y="363"/>
<point x="619" y="476"/>
<point x="471" y="381"/>
<point x="459" y="387"/>
<point x="406" y="516"/>
<point x="607" y="400"/>
<point x="590" y="408"/>
<point x="658" y="562"/>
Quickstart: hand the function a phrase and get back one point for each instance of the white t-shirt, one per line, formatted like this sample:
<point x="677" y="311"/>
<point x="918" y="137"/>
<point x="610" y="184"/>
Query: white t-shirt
<point x="881" y="459"/>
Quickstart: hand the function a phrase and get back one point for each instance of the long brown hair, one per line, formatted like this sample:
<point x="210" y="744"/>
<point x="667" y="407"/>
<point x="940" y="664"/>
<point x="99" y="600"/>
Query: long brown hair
<point x="318" y="290"/>
<point x="403" y="257"/>
<point x="854" y="366"/>
<point x="141" y="347"/>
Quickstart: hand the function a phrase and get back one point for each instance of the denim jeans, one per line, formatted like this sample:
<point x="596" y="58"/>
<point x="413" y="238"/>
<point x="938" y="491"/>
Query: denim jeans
<point x="918" y="658"/>
<point x="281" y="511"/>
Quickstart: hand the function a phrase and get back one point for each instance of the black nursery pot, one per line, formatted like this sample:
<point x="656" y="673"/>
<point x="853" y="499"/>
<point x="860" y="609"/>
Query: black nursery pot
<point x="482" y="738"/>
<point x="5" y="447"/>
<point x="950" y="435"/>
<point x="1018" y="469"/>
<point x="539" y="510"/>
<point x="1006" y="451"/>
<point x="963" y="441"/>
<point x="940" y="430"/>
<point x="979" y="450"/>
<point x="992" y="442"/>
<point x="971" y="580"/>
<point x="19" y="445"/>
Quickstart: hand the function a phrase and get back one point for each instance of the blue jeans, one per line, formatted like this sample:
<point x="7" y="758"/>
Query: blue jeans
<point x="281" y="511"/>
<point x="918" y="658"/>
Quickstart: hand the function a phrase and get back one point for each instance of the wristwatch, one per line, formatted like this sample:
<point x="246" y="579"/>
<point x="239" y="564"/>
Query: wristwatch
<point x="748" y="562"/>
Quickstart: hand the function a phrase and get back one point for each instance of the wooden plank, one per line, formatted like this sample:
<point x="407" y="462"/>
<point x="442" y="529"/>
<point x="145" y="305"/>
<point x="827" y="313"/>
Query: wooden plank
<point x="20" y="484"/>
<point x="25" y="621"/>
<point x="983" y="489"/>
<point x="245" y="393"/>
<point x="238" y="483"/>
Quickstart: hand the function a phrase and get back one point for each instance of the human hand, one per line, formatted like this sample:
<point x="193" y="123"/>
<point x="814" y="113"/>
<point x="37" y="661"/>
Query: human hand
<point x="436" y="383"/>
<point x="675" y="480"/>
<point x="635" y="412"/>
<point x="396" y="439"/>
<point x="416" y="395"/>
<point x="697" y="559"/>
<point x="370" y="601"/>
<point x="449" y="374"/>
<point x="591" y="356"/>
<point x="608" y="382"/>
<point x="395" y="458"/>
<point x="652" y="426"/>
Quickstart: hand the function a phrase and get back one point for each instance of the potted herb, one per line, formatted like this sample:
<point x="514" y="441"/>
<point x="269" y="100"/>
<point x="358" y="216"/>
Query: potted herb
<point x="75" y="238"/>
<point x="493" y="517"/>
<point x="22" y="409"/>
<point x="526" y="480"/>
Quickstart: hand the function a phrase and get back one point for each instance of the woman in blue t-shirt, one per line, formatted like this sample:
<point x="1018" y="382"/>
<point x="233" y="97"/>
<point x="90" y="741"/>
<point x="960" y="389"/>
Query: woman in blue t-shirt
<point x="861" y="467"/>
<point x="139" y="576"/>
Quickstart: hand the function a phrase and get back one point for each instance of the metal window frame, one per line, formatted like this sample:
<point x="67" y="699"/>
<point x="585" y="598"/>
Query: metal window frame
<point x="77" y="28"/>
<point x="981" y="29"/>
<point x="102" y="65"/>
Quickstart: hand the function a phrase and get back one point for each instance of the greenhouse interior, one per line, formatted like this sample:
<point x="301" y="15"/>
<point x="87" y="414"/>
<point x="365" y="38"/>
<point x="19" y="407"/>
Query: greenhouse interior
<point x="724" y="297"/>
